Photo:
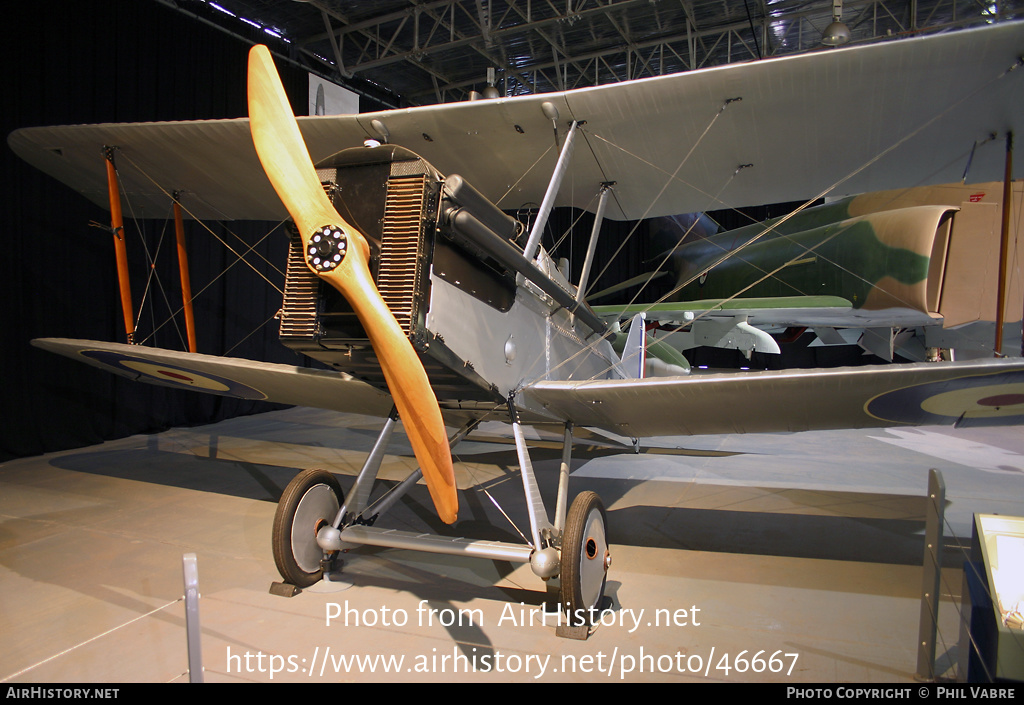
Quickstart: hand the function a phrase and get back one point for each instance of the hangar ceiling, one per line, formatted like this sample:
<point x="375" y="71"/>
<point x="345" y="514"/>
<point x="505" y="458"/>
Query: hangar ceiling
<point x="416" y="52"/>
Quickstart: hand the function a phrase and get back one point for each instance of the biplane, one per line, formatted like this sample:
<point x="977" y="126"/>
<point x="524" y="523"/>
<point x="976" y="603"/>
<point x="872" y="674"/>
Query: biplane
<point x="427" y="304"/>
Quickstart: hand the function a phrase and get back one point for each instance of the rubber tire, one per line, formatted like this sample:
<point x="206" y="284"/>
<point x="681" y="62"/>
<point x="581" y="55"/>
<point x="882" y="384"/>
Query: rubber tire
<point x="584" y="541"/>
<point x="315" y="495"/>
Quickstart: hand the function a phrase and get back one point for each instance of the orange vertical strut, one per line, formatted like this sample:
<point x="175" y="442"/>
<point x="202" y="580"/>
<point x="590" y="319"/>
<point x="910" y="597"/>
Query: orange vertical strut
<point x="186" y="286"/>
<point x="117" y="226"/>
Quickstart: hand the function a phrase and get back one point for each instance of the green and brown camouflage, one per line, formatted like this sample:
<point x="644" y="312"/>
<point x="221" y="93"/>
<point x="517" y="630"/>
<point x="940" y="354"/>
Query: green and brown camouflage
<point x="845" y="259"/>
<point x="881" y="251"/>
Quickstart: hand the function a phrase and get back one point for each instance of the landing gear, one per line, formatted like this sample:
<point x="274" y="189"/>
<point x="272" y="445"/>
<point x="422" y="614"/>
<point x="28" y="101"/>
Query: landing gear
<point x="585" y="559"/>
<point x="310" y="500"/>
<point x="315" y="520"/>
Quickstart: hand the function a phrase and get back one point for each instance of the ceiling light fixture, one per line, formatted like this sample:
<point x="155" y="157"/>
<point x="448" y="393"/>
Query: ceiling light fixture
<point x="837" y="33"/>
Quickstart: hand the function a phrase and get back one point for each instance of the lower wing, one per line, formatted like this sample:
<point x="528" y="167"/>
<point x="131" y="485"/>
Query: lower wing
<point x="232" y="377"/>
<point x="972" y="393"/>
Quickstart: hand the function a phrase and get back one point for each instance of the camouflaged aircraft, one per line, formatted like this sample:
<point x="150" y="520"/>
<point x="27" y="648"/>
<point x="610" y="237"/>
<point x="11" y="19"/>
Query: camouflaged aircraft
<point x="427" y="303"/>
<point x="912" y="272"/>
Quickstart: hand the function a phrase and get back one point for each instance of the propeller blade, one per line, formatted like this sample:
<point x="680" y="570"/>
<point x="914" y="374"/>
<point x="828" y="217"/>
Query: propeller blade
<point x="339" y="253"/>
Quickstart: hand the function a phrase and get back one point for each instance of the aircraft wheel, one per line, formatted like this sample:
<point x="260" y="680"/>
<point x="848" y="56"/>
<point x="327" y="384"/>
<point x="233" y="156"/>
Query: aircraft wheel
<point x="311" y="499"/>
<point x="585" y="559"/>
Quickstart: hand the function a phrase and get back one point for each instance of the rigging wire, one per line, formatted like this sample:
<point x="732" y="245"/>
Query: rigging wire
<point x="479" y="486"/>
<point x="222" y="273"/>
<point x="806" y="251"/>
<point x="978" y="89"/>
<point x="838" y="183"/>
<point x="239" y="257"/>
<point x="211" y="231"/>
<point x="801" y="208"/>
<point x="668" y="182"/>
<point x="251" y="333"/>
<point x="151" y="274"/>
<point x="864" y="166"/>
<point x="525" y="174"/>
<point x="680" y="242"/>
<point x="569" y="230"/>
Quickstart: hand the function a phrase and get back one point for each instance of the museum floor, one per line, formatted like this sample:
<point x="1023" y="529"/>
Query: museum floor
<point x="794" y="553"/>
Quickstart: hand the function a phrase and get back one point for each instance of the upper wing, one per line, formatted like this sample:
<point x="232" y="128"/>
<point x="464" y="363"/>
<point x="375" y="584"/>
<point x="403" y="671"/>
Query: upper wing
<point x="211" y="162"/>
<point x="804" y="123"/>
<point x="988" y="392"/>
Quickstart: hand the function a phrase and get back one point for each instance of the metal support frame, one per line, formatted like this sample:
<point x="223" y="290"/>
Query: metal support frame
<point x="358" y="508"/>
<point x="335" y="536"/>
<point x="930" y="578"/>
<point x="588" y="261"/>
<point x="533" y="242"/>
<point x="346" y="532"/>
<point x="190" y="574"/>
<point x="562" y="499"/>
<point x="539" y="523"/>
<point x="381" y="506"/>
<point x="360" y="495"/>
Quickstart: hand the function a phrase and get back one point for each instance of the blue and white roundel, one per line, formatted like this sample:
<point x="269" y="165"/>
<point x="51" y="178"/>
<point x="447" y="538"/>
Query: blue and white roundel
<point x="172" y="375"/>
<point x="977" y="400"/>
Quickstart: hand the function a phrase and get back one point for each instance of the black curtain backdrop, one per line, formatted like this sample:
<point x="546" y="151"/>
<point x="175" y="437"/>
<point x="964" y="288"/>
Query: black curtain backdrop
<point x="118" y="61"/>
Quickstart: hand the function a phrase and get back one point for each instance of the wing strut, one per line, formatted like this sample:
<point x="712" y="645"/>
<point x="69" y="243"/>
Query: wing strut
<point x="540" y="526"/>
<point x="549" y="196"/>
<point x="186" y="284"/>
<point x="120" y="252"/>
<point x="588" y="262"/>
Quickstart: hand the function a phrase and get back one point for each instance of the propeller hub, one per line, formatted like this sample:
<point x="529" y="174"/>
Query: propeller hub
<point x="326" y="249"/>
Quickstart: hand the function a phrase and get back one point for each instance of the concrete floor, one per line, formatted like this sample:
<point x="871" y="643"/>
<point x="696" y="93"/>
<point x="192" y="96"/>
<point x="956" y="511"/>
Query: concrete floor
<point x="806" y="547"/>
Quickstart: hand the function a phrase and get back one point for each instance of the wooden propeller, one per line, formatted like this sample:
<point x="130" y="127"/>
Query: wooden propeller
<point x="339" y="254"/>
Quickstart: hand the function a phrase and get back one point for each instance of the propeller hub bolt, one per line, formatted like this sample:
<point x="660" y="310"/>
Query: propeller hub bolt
<point x="326" y="249"/>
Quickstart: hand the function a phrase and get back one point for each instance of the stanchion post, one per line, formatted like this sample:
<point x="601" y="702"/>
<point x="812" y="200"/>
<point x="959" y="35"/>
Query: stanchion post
<point x="930" y="576"/>
<point x="192" y="633"/>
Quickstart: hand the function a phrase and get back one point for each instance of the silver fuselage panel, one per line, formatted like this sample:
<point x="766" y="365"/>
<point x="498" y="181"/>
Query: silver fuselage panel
<point x="516" y="348"/>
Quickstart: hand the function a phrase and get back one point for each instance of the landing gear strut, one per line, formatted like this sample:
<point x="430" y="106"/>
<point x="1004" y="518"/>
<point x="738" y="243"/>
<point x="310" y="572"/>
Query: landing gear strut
<point x="314" y="522"/>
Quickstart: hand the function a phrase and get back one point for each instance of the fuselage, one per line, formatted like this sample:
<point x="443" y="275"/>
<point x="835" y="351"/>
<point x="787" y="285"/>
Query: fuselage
<point x="482" y="328"/>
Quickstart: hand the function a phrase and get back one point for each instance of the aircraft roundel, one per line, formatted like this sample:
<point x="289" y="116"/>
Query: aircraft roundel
<point x="172" y="375"/>
<point x="968" y="400"/>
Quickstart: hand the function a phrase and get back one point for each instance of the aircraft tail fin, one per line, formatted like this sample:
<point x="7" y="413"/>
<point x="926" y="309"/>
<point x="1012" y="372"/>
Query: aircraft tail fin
<point x="634" y="355"/>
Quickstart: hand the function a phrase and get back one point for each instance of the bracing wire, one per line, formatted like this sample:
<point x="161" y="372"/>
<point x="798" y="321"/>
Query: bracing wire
<point x="525" y="174"/>
<point x="572" y="225"/>
<point x="151" y="260"/>
<point x="978" y="89"/>
<point x="856" y="171"/>
<point x="210" y="230"/>
<point x="239" y="257"/>
<point x="668" y="182"/>
<point x="251" y="333"/>
<point x="223" y="272"/>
